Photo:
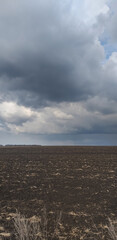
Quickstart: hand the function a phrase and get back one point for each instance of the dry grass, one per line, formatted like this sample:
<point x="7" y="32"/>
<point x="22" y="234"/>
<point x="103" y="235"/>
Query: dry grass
<point x="37" y="228"/>
<point x="112" y="229"/>
<point x="25" y="229"/>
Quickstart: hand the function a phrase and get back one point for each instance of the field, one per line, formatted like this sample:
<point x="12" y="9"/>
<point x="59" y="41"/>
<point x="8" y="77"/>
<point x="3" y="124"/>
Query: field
<point x="79" y="181"/>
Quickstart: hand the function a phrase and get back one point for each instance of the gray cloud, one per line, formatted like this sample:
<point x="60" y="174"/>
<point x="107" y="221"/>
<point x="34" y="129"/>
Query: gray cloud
<point x="53" y="68"/>
<point x="111" y="28"/>
<point x="45" y="54"/>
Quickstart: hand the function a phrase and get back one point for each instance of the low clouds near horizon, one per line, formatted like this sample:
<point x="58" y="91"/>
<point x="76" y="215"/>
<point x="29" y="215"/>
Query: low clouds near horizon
<point x="58" y="71"/>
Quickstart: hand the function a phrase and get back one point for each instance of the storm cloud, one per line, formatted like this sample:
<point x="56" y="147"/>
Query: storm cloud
<point x="58" y="67"/>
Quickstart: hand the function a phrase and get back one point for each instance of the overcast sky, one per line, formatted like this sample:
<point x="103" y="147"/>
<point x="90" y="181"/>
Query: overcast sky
<point x="58" y="72"/>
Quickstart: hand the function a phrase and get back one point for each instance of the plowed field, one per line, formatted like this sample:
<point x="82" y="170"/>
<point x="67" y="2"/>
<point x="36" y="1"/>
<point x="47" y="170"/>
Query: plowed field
<point x="79" y="181"/>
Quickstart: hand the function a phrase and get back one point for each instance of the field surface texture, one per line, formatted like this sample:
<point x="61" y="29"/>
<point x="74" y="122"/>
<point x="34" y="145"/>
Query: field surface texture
<point x="79" y="181"/>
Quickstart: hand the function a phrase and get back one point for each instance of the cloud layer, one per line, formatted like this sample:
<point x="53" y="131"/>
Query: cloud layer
<point x="58" y="67"/>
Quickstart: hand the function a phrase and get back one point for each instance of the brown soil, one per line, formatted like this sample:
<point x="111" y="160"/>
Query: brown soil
<point x="80" y="181"/>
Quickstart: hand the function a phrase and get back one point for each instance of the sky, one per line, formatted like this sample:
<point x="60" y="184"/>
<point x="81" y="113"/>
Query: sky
<point x="58" y="72"/>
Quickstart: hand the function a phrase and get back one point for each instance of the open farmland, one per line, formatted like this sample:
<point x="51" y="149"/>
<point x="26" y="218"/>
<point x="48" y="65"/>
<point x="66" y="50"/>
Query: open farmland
<point x="79" y="181"/>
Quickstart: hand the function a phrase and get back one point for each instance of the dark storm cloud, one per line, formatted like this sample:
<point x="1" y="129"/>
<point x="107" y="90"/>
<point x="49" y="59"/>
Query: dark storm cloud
<point x="44" y="54"/>
<point x="52" y="82"/>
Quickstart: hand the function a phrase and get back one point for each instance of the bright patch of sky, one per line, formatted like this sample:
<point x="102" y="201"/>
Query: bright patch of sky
<point x="109" y="48"/>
